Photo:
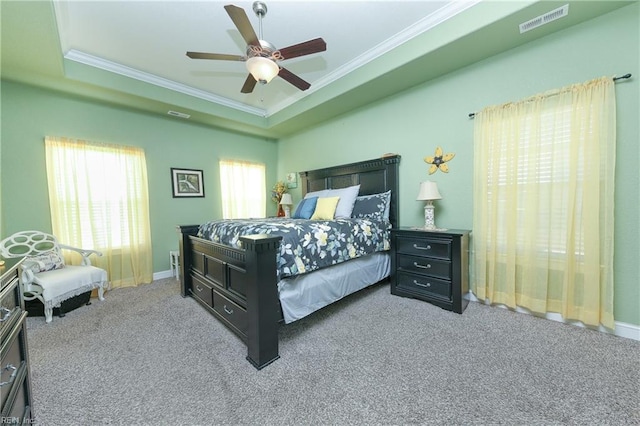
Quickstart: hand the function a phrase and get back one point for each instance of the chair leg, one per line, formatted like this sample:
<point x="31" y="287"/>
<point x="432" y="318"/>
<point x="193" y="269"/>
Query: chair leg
<point x="100" y="293"/>
<point x="48" y="314"/>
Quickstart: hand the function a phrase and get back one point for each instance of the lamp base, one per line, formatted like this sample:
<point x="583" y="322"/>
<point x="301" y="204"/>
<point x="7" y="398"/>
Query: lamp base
<point x="429" y="216"/>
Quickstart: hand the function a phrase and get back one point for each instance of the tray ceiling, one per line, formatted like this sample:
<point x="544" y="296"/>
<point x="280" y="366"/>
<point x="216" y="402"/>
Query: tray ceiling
<point x="133" y="52"/>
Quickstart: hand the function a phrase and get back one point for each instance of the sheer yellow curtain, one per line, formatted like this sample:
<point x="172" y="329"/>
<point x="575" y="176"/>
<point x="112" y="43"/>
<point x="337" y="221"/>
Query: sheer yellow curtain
<point x="99" y="199"/>
<point x="543" y="203"/>
<point x="243" y="189"/>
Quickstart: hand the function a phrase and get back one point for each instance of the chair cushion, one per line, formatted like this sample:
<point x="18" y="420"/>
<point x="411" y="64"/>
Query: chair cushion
<point x="61" y="284"/>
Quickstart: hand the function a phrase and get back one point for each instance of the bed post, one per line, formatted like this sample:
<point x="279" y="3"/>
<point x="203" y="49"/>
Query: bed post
<point x="184" y="245"/>
<point x="262" y="298"/>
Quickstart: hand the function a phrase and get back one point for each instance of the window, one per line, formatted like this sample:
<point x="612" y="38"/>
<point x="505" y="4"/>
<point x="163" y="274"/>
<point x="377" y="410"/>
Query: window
<point x="537" y="161"/>
<point x="243" y="189"/>
<point x="543" y="203"/>
<point x="99" y="200"/>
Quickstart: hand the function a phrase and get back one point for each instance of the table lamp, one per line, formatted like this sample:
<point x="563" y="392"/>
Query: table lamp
<point x="286" y="203"/>
<point x="429" y="192"/>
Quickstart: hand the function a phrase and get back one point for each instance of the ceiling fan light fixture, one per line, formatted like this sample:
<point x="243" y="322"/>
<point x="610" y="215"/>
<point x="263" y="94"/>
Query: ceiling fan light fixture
<point x="262" y="69"/>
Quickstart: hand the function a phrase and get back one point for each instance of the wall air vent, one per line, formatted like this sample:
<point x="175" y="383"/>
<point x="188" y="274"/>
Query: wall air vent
<point x="178" y="114"/>
<point x="544" y="19"/>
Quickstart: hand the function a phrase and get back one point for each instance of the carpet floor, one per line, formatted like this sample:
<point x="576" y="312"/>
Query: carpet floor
<point x="147" y="356"/>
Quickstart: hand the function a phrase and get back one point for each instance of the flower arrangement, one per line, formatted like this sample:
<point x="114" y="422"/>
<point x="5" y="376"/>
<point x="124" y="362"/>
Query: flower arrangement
<point x="278" y="189"/>
<point x="276" y="195"/>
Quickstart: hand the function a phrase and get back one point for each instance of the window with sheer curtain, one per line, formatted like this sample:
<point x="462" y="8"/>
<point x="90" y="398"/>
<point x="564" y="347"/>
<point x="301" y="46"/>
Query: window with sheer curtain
<point x="243" y="191"/>
<point x="99" y="199"/>
<point x="543" y="203"/>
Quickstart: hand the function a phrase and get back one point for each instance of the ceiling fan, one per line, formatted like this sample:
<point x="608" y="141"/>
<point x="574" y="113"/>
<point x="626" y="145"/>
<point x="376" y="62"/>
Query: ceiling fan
<point x="261" y="56"/>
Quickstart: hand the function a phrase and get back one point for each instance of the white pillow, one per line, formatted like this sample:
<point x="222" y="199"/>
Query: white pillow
<point x="347" y="199"/>
<point x="319" y="194"/>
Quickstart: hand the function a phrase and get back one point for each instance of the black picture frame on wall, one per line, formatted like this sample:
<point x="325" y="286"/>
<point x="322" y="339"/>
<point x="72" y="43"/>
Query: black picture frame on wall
<point x="187" y="183"/>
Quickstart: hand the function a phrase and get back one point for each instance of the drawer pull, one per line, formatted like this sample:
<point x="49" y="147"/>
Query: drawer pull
<point x="6" y="314"/>
<point x="417" y="265"/>
<point x="421" y="285"/>
<point x="415" y="246"/>
<point x="227" y="310"/>
<point x="198" y="288"/>
<point x="13" y="375"/>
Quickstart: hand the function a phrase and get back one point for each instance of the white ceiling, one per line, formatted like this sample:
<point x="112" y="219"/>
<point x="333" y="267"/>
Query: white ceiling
<point x="147" y="40"/>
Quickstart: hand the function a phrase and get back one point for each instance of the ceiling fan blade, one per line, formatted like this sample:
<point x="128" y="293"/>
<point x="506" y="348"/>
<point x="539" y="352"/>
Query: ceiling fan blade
<point x="218" y="56"/>
<point x="249" y="84"/>
<point x="293" y="79"/>
<point x="304" y="48"/>
<point x="239" y="18"/>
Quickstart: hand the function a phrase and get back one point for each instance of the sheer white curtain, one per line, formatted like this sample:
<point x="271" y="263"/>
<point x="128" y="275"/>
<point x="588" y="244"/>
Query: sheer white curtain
<point x="543" y="203"/>
<point x="99" y="199"/>
<point x="243" y="190"/>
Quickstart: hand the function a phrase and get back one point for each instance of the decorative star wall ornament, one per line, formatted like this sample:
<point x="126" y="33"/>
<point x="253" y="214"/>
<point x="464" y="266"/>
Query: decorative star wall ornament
<point x="438" y="161"/>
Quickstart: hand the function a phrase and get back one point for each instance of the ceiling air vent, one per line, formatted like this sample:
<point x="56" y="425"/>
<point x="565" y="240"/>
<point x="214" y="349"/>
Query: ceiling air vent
<point x="544" y="19"/>
<point x="178" y="114"/>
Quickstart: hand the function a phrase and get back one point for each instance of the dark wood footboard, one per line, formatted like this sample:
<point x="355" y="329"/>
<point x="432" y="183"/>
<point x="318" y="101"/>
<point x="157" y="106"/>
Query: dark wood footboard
<point x="237" y="286"/>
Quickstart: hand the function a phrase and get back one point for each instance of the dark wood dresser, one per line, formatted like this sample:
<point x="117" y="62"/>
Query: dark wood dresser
<point x="432" y="266"/>
<point x="15" y="382"/>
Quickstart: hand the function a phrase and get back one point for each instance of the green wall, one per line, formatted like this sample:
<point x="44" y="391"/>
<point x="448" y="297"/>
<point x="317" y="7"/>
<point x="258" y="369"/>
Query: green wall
<point x="410" y="123"/>
<point x="413" y="123"/>
<point x="29" y="114"/>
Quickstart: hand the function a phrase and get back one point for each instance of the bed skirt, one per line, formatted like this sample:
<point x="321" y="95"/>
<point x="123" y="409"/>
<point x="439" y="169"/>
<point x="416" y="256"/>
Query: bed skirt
<point x="304" y="294"/>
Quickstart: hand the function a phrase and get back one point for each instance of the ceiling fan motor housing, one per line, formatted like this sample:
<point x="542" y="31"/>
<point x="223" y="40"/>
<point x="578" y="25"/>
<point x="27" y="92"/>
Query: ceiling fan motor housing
<point x="259" y="8"/>
<point x="265" y="50"/>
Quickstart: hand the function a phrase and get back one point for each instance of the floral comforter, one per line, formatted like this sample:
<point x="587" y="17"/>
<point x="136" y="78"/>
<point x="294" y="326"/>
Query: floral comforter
<point x="306" y="245"/>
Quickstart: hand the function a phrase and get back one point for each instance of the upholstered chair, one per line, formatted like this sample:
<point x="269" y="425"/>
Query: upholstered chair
<point x="44" y="274"/>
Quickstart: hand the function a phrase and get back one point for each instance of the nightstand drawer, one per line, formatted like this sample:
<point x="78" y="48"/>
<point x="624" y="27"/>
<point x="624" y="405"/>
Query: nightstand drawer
<point x="424" y="247"/>
<point x="427" y="286"/>
<point x="426" y="266"/>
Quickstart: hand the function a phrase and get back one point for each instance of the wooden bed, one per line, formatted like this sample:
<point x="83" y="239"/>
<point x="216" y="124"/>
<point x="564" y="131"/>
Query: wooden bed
<point x="239" y="286"/>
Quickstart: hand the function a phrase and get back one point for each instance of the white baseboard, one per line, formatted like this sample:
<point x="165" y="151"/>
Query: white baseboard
<point x="623" y="329"/>
<point x="629" y="331"/>
<point x="162" y="274"/>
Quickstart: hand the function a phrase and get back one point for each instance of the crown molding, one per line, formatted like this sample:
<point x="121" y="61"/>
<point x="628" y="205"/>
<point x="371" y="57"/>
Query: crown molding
<point x="103" y="64"/>
<point x="428" y="22"/>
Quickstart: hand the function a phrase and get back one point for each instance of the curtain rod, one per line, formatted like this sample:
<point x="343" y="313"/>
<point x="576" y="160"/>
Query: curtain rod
<point x="622" y="77"/>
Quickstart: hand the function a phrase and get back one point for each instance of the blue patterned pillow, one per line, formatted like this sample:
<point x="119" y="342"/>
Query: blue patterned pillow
<point x="305" y="208"/>
<point x="375" y="206"/>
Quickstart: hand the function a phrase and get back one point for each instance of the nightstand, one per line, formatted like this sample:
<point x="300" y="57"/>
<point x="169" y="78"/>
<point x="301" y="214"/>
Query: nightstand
<point x="432" y="266"/>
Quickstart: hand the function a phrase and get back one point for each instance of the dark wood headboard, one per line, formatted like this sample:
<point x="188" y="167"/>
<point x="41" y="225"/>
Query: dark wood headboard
<point x="374" y="176"/>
